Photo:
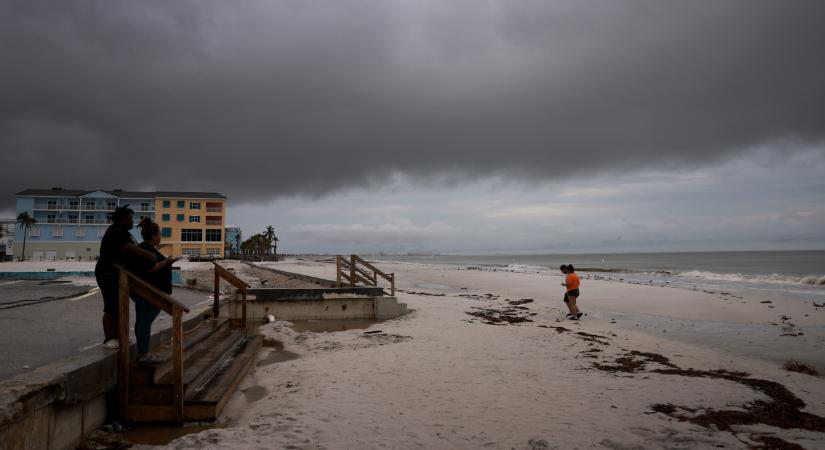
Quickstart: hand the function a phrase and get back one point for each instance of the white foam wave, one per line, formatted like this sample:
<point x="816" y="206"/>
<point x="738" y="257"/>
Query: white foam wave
<point x="738" y="277"/>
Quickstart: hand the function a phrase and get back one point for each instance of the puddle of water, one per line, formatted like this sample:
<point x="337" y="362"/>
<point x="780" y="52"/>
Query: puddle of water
<point x="162" y="434"/>
<point x="332" y="325"/>
<point x="254" y="393"/>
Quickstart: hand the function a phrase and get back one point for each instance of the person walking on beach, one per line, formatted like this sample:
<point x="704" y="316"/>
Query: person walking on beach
<point x="116" y="247"/>
<point x="571" y="283"/>
<point x="159" y="275"/>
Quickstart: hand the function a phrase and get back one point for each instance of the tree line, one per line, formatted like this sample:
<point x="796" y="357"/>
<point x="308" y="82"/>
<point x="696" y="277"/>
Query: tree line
<point x="264" y="243"/>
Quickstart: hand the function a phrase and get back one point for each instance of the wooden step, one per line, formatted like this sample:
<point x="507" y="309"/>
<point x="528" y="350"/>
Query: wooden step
<point x="199" y="365"/>
<point x="193" y="345"/>
<point x="206" y="403"/>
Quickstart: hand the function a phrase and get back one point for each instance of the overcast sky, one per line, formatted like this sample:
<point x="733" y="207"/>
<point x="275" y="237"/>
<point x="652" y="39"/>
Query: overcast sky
<point x="460" y="126"/>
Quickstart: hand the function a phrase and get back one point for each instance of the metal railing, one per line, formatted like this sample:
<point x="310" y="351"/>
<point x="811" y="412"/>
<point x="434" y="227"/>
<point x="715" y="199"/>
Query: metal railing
<point x="357" y="270"/>
<point x="130" y="284"/>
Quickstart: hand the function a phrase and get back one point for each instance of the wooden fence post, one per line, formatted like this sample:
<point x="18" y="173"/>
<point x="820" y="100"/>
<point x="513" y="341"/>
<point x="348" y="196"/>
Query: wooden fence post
<point x="123" y="339"/>
<point x="337" y="270"/>
<point x="216" y="306"/>
<point x="177" y="361"/>
<point x="352" y="270"/>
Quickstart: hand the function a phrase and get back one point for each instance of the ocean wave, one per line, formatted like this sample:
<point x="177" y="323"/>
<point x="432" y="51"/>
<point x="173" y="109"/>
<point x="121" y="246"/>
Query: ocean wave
<point x="813" y="280"/>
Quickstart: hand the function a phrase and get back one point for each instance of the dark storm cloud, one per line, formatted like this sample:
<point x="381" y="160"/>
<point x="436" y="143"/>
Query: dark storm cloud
<point x="259" y="99"/>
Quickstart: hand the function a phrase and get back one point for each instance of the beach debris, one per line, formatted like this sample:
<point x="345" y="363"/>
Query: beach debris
<point x="558" y="329"/>
<point x="520" y="301"/>
<point x="817" y="305"/>
<point x="793" y="365"/>
<point x="504" y="316"/>
<point x="373" y="332"/>
<point x="766" y="301"/>
<point x="634" y="361"/>
<point x="538" y="444"/>
<point x="429" y="294"/>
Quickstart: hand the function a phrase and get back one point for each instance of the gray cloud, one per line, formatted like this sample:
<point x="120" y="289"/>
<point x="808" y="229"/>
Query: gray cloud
<point x="263" y="99"/>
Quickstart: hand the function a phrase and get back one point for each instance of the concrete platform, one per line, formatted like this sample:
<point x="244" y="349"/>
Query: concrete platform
<point x="42" y="333"/>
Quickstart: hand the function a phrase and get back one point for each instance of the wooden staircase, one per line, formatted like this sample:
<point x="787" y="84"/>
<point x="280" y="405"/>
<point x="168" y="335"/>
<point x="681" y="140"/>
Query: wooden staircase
<point x="354" y="270"/>
<point x="196" y="372"/>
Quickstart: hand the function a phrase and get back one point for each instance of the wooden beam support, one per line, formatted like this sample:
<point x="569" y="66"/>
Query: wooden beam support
<point x="123" y="338"/>
<point x="177" y="362"/>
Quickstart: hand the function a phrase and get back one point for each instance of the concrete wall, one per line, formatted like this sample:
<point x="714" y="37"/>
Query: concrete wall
<point x="56" y="407"/>
<point x="339" y="308"/>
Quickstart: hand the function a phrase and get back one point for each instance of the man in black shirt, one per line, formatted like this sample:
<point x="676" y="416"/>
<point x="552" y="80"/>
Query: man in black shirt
<point x="117" y="247"/>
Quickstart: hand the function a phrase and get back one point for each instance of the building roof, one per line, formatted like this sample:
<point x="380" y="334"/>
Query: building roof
<point x="59" y="192"/>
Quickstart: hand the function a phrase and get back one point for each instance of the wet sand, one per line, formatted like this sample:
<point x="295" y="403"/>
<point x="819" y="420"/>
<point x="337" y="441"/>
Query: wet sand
<point x="477" y="364"/>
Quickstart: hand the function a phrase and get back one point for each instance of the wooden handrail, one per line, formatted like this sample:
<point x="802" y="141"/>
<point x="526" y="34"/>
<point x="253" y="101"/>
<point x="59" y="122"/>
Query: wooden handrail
<point x="242" y="286"/>
<point x="131" y="284"/>
<point x="355" y="274"/>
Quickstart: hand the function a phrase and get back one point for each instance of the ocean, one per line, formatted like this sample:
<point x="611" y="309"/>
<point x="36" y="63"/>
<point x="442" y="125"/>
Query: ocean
<point x="763" y="274"/>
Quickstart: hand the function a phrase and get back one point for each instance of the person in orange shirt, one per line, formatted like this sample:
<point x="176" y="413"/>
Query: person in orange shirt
<point x="572" y="283"/>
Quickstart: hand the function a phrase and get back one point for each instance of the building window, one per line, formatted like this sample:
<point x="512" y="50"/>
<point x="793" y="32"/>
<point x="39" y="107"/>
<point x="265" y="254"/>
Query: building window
<point x="90" y="219"/>
<point x="191" y="252"/>
<point x="191" y="235"/>
<point x="90" y="205"/>
<point x="167" y="203"/>
<point x="194" y="219"/>
<point x="165" y="217"/>
<point x="180" y="217"/>
<point x="213" y="236"/>
<point x="214" y="220"/>
<point x="214" y="207"/>
<point x="213" y="252"/>
<point x="166" y="232"/>
<point x="181" y="204"/>
<point x="72" y="218"/>
<point x="74" y="204"/>
<point x="111" y="205"/>
<point x="194" y="205"/>
<point x="51" y="218"/>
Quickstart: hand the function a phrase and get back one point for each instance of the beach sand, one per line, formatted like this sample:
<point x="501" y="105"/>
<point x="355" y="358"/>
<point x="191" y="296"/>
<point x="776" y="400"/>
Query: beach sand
<point x="485" y="360"/>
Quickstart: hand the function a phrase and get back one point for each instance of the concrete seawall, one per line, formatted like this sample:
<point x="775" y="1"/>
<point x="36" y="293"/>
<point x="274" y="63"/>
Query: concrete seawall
<point x="56" y="406"/>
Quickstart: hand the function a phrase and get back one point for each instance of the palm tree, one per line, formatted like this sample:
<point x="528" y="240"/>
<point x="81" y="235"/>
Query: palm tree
<point x="26" y="223"/>
<point x="269" y="236"/>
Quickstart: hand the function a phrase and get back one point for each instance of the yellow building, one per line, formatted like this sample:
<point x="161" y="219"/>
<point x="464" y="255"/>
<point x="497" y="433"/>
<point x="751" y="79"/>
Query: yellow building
<point x="191" y="223"/>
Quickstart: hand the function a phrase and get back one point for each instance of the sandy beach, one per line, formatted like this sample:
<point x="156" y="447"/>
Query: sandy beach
<point x="485" y="360"/>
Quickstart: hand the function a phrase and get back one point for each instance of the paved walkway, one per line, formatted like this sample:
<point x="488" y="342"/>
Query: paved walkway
<point x="39" y="325"/>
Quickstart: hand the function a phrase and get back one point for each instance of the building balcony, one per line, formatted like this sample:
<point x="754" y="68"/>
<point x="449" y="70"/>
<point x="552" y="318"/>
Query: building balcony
<point x="213" y="209"/>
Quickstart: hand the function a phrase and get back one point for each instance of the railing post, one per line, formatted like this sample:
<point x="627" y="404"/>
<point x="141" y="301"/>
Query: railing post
<point x="216" y="306"/>
<point x="177" y="361"/>
<point x="123" y="339"/>
<point x="392" y="284"/>
<point x="243" y="308"/>
<point x="352" y="270"/>
<point x="337" y="270"/>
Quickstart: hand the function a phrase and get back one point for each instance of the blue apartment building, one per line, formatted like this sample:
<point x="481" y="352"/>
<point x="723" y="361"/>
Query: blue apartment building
<point x="234" y="237"/>
<point x="71" y="223"/>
